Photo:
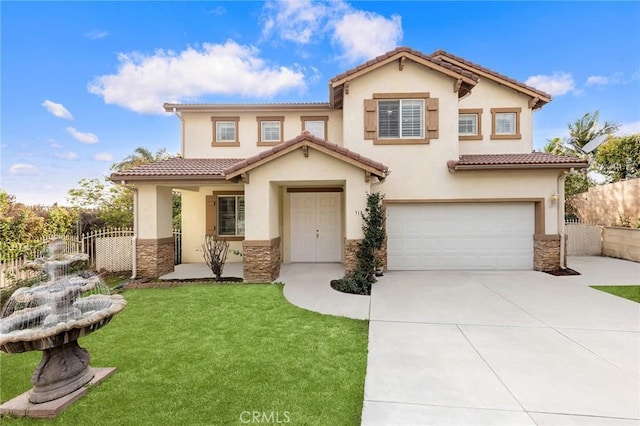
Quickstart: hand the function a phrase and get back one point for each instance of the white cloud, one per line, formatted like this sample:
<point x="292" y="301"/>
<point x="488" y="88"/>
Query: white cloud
<point x="559" y="83"/>
<point x="629" y="128"/>
<point x="23" y="169"/>
<point x="57" y="109"/>
<point x="103" y="156"/>
<point x="144" y="82"/>
<point x="82" y="136"/>
<point x="365" y="35"/>
<point x="96" y="34"/>
<point x="66" y="155"/>
<point x="54" y="143"/>
<point x="597" y="80"/>
<point x="359" y="35"/>
<point x="299" y="21"/>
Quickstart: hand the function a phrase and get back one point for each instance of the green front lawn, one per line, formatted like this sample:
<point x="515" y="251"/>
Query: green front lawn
<point x="210" y="354"/>
<point x="631" y="292"/>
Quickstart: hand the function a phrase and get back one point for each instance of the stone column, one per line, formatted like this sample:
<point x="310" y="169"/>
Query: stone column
<point x="546" y="252"/>
<point x="154" y="257"/>
<point x="262" y="260"/>
<point x="350" y="258"/>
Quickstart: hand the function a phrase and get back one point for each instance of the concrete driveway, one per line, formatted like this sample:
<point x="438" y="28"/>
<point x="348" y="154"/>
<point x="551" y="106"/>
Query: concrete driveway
<point x="512" y="348"/>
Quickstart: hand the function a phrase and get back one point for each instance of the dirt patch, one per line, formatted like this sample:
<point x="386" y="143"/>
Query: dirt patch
<point x="146" y="283"/>
<point x="563" y="272"/>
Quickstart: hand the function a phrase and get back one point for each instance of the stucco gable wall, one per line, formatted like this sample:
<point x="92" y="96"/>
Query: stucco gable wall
<point x="410" y="164"/>
<point x="486" y="95"/>
<point x="294" y="169"/>
<point x="198" y="131"/>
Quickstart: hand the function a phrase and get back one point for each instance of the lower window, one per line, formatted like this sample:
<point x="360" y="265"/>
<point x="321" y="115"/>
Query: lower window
<point x="231" y="215"/>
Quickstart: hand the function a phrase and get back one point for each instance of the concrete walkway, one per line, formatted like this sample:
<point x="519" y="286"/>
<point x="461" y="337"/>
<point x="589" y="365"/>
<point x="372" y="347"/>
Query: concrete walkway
<point x="512" y="348"/>
<point x="489" y="348"/>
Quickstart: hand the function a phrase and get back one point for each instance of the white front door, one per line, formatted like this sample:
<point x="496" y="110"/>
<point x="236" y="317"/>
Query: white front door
<point x="315" y="227"/>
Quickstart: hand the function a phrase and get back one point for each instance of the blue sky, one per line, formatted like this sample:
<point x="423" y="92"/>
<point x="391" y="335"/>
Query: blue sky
<point x="83" y="83"/>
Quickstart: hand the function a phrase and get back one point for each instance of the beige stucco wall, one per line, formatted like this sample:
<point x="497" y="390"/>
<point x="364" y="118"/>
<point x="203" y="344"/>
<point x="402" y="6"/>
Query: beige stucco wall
<point x="198" y="132"/>
<point x="623" y="243"/>
<point x="154" y="212"/>
<point x="607" y="204"/>
<point x="486" y="95"/>
<point x="295" y="170"/>
<point x="194" y="223"/>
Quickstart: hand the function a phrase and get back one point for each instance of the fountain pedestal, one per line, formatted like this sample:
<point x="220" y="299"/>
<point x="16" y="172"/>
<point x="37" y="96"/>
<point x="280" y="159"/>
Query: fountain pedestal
<point x="62" y="370"/>
<point x="51" y="317"/>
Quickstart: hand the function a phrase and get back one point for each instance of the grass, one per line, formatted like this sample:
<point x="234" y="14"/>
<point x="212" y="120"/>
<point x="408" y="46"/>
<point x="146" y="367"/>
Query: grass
<point x="206" y="354"/>
<point x="631" y="292"/>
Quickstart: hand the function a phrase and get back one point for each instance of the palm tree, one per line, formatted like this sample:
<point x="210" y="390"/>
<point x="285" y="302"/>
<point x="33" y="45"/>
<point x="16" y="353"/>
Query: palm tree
<point x="587" y="128"/>
<point x="139" y="157"/>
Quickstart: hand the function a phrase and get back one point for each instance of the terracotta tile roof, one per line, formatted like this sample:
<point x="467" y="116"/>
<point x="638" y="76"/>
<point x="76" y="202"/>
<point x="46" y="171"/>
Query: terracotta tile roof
<point x="488" y="71"/>
<point x="310" y="140"/>
<point x="397" y="50"/>
<point x="241" y="106"/>
<point x="186" y="168"/>
<point x="510" y="161"/>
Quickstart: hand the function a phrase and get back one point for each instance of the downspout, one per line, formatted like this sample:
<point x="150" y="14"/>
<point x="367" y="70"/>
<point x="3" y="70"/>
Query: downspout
<point x="134" y="238"/>
<point x="175" y="111"/>
<point x="560" y="207"/>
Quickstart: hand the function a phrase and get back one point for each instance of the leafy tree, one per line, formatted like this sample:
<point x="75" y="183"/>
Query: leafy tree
<point x="619" y="158"/>
<point x="113" y="204"/>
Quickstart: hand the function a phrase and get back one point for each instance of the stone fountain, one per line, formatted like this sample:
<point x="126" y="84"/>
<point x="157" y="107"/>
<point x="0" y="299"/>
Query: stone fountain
<point x="51" y="317"/>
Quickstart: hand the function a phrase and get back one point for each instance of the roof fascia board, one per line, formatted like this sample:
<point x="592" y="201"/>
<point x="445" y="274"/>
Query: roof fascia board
<point x="301" y="144"/>
<point x="498" y="80"/>
<point x="461" y="167"/>
<point x="409" y="56"/>
<point x="246" y="107"/>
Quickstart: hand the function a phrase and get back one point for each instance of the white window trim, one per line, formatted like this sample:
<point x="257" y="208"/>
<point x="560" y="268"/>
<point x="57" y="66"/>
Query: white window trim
<point x="400" y="128"/>
<point x="236" y="219"/>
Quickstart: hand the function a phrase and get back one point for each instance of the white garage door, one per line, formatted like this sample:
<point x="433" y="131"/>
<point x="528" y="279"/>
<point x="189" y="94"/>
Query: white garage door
<point x="460" y="236"/>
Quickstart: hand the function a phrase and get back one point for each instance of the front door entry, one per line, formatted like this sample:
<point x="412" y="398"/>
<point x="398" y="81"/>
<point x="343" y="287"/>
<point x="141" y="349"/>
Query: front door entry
<point x="315" y="227"/>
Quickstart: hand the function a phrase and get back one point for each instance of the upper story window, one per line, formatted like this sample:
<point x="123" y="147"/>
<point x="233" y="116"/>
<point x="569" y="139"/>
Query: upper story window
<point x="317" y="125"/>
<point x="270" y="130"/>
<point x="505" y="123"/>
<point x="225" y="131"/>
<point x="470" y="124"/>
<point x="401" y="118"/>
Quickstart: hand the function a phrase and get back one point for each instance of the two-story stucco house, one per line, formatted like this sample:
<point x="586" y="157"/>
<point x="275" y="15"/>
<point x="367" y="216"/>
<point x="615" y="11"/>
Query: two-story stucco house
<point x="448" y="142"/>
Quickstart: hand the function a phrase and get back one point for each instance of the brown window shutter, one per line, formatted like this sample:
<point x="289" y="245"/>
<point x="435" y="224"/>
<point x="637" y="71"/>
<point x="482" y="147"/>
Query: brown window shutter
<point x="370" y="119"/>
<point x="432" y="118"/>
<point x="211" y="215"/>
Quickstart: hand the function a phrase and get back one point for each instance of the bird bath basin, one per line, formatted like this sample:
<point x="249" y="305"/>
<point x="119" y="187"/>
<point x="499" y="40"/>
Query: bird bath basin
<point x="51" y="317"/>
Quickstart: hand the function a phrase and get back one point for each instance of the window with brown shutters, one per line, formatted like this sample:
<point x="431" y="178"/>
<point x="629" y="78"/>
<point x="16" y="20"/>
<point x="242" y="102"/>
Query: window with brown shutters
<point x="225" y="215"/>
<point x="400" y="118"/>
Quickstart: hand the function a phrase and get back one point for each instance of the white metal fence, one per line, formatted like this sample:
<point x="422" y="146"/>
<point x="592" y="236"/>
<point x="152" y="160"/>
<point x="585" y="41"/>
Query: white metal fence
<point x="11" y="266"/>
<point x="109" y="249"/>
<point x="583" y="239"/>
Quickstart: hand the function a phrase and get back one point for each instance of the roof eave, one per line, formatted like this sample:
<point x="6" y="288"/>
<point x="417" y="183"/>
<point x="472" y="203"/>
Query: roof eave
<point x="320" y="106"/>
<point x="173" y="178"/>
<point x="542" y="98"/>
<point x="554" y="166"/>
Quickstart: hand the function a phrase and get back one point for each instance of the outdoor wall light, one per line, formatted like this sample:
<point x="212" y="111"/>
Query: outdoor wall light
<point x="554" y="198"/>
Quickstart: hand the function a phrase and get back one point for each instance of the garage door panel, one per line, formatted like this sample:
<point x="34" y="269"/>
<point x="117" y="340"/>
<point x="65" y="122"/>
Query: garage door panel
<point x="465" y="236"/>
